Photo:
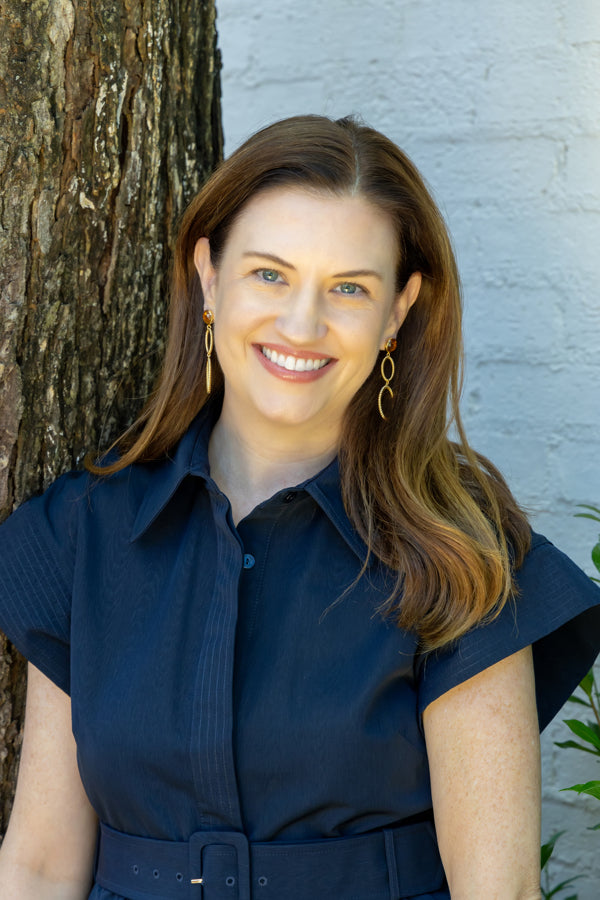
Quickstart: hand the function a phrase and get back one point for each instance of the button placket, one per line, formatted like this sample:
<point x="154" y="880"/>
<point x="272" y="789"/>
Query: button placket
<point x="212" y="743"/>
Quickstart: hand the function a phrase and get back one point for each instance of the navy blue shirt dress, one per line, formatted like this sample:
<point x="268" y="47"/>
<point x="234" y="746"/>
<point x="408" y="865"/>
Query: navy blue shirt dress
<point x="245" y="731"/>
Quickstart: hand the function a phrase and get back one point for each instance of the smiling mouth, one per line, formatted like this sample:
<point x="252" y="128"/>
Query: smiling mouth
<point x="294" y="363"/>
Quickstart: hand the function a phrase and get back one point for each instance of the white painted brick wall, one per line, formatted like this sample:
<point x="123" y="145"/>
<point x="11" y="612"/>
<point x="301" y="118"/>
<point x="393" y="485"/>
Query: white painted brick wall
<point x="499" y="106"/>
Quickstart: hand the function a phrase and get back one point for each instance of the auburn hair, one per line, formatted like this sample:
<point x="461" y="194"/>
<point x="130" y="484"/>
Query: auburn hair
<point x="438" y="514"/>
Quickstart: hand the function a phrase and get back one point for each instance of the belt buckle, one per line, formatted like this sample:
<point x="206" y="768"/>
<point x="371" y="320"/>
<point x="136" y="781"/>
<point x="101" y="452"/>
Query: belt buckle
<point x="198" y="843"/>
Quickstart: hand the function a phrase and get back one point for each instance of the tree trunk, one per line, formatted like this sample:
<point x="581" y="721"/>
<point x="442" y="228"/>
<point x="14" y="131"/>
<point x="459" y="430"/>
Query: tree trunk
<point x="109" y="123"/>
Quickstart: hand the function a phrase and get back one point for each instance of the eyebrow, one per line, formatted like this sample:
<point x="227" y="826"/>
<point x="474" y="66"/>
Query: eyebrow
<point x="354" y="273"/>
<point x="276" y="259"/>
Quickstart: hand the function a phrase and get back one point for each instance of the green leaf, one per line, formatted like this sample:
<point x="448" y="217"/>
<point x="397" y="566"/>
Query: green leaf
<point x="596" y="555"/>
<point x="562" y="886"/>
<point x="594" y="827"/>
<point x="575" y="699"/>
<point x="566" y="883"/>
<point x="590" y="787"/>
<point x="586" y="516"/>
<point x="587" y="683"/>
<point x="575" y="746"/>
<point x="594" y="509"/>
<point x="548" y="847"/>
<point x="583" y="731"/>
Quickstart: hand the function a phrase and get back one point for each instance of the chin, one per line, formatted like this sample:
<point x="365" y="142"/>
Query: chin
<point x="288" y="419"/>
<point x="288" y="416"/>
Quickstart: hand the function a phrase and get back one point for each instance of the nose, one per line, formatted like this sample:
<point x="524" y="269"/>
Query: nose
<point x="302" y="320"/>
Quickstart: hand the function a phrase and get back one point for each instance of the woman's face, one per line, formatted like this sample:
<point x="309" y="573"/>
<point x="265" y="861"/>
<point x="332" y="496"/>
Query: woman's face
<point x="304" y="297"/>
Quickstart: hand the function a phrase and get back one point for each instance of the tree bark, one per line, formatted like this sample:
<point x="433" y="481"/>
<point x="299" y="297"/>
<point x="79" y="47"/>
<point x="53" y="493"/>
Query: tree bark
<point x="109" y="123"/>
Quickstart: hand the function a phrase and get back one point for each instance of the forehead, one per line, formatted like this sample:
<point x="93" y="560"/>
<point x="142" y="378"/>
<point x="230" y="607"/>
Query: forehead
<point x="299" y="219"/>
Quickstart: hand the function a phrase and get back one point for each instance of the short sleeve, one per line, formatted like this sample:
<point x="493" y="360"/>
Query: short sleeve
<point x="37" y="557"/>
<point x="556" y="610"/>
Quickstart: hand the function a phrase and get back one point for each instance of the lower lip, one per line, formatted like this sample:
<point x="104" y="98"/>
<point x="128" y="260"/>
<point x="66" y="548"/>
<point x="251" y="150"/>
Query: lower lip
<point x="289" y="374"/>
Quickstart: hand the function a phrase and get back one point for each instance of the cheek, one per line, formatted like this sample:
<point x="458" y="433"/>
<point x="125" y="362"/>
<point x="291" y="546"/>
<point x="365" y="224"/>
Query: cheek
<point x="363" y="334"/>
<point x="239" y="305"/>
<point x="237" y="320"/>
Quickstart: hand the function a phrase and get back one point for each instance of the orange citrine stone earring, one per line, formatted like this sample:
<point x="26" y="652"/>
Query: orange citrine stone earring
<point x="208" y="319"/>
<point x="388" y="362"/>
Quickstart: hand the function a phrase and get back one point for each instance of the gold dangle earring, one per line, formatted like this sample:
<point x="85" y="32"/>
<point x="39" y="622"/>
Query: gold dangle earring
<point x="208" y="319"/>
<point x="389" y="348"/>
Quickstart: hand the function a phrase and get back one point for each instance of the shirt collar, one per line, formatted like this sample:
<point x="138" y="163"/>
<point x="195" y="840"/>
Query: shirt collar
<point x="191" y="458"/>
<point x="325" y="489"/>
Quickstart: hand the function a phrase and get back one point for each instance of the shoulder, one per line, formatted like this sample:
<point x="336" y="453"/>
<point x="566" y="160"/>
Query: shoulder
<point x="555" y="609"/>
<point x="549" y="582"/>
<point x="78" y="506"/>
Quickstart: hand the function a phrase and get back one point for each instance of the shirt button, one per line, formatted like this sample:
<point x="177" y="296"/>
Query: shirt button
<point x="289" y="497"/>
<point x="248" y="560"/>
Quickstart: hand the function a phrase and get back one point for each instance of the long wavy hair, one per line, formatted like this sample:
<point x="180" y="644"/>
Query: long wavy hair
<point x="437" y="513"/>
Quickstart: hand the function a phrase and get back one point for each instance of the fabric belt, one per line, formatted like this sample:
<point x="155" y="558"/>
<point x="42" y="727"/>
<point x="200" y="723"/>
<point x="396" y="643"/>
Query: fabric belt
<point x="223" y="865"/>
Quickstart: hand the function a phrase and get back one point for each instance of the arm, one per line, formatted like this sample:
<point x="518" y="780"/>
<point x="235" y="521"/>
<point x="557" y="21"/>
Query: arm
<point x="484" y="757"/>
<point x="49" y="846"/>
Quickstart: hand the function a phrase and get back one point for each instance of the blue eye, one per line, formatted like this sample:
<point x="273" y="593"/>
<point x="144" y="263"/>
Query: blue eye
<point x="270" y="275"/>
<point x="350" y="288"/>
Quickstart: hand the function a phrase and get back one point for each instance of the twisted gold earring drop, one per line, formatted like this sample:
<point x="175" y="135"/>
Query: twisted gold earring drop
<point x="389" y="348"/>
<point x="208" y="319"/>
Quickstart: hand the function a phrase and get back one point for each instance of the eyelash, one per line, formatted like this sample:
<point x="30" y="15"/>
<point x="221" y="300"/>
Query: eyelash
<point x="280" y="279"/>
<point x="260" y="272"/>
<point x="360" y="289"/>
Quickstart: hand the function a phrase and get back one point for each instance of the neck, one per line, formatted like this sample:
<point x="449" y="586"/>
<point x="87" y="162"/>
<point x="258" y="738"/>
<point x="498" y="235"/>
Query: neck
<point x="250" y="462"/>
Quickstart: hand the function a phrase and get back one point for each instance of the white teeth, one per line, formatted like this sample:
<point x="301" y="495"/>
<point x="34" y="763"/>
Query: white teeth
<point x="294" y="363"/>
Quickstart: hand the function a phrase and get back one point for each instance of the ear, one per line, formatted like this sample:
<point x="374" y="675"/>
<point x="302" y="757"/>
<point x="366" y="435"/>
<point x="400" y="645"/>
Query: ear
<point x="402" y="303"/>
<point x="206" y="271"/>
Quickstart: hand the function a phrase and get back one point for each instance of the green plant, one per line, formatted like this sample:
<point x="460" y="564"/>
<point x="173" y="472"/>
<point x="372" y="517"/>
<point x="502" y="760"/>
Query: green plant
<point x="594" y="515"/>
<point x="547" y="891"/>
<point x="587" y="733"/>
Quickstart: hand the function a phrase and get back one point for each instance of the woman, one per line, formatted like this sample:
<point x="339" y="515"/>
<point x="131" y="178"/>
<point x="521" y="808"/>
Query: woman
<point x="293" y="618"/>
